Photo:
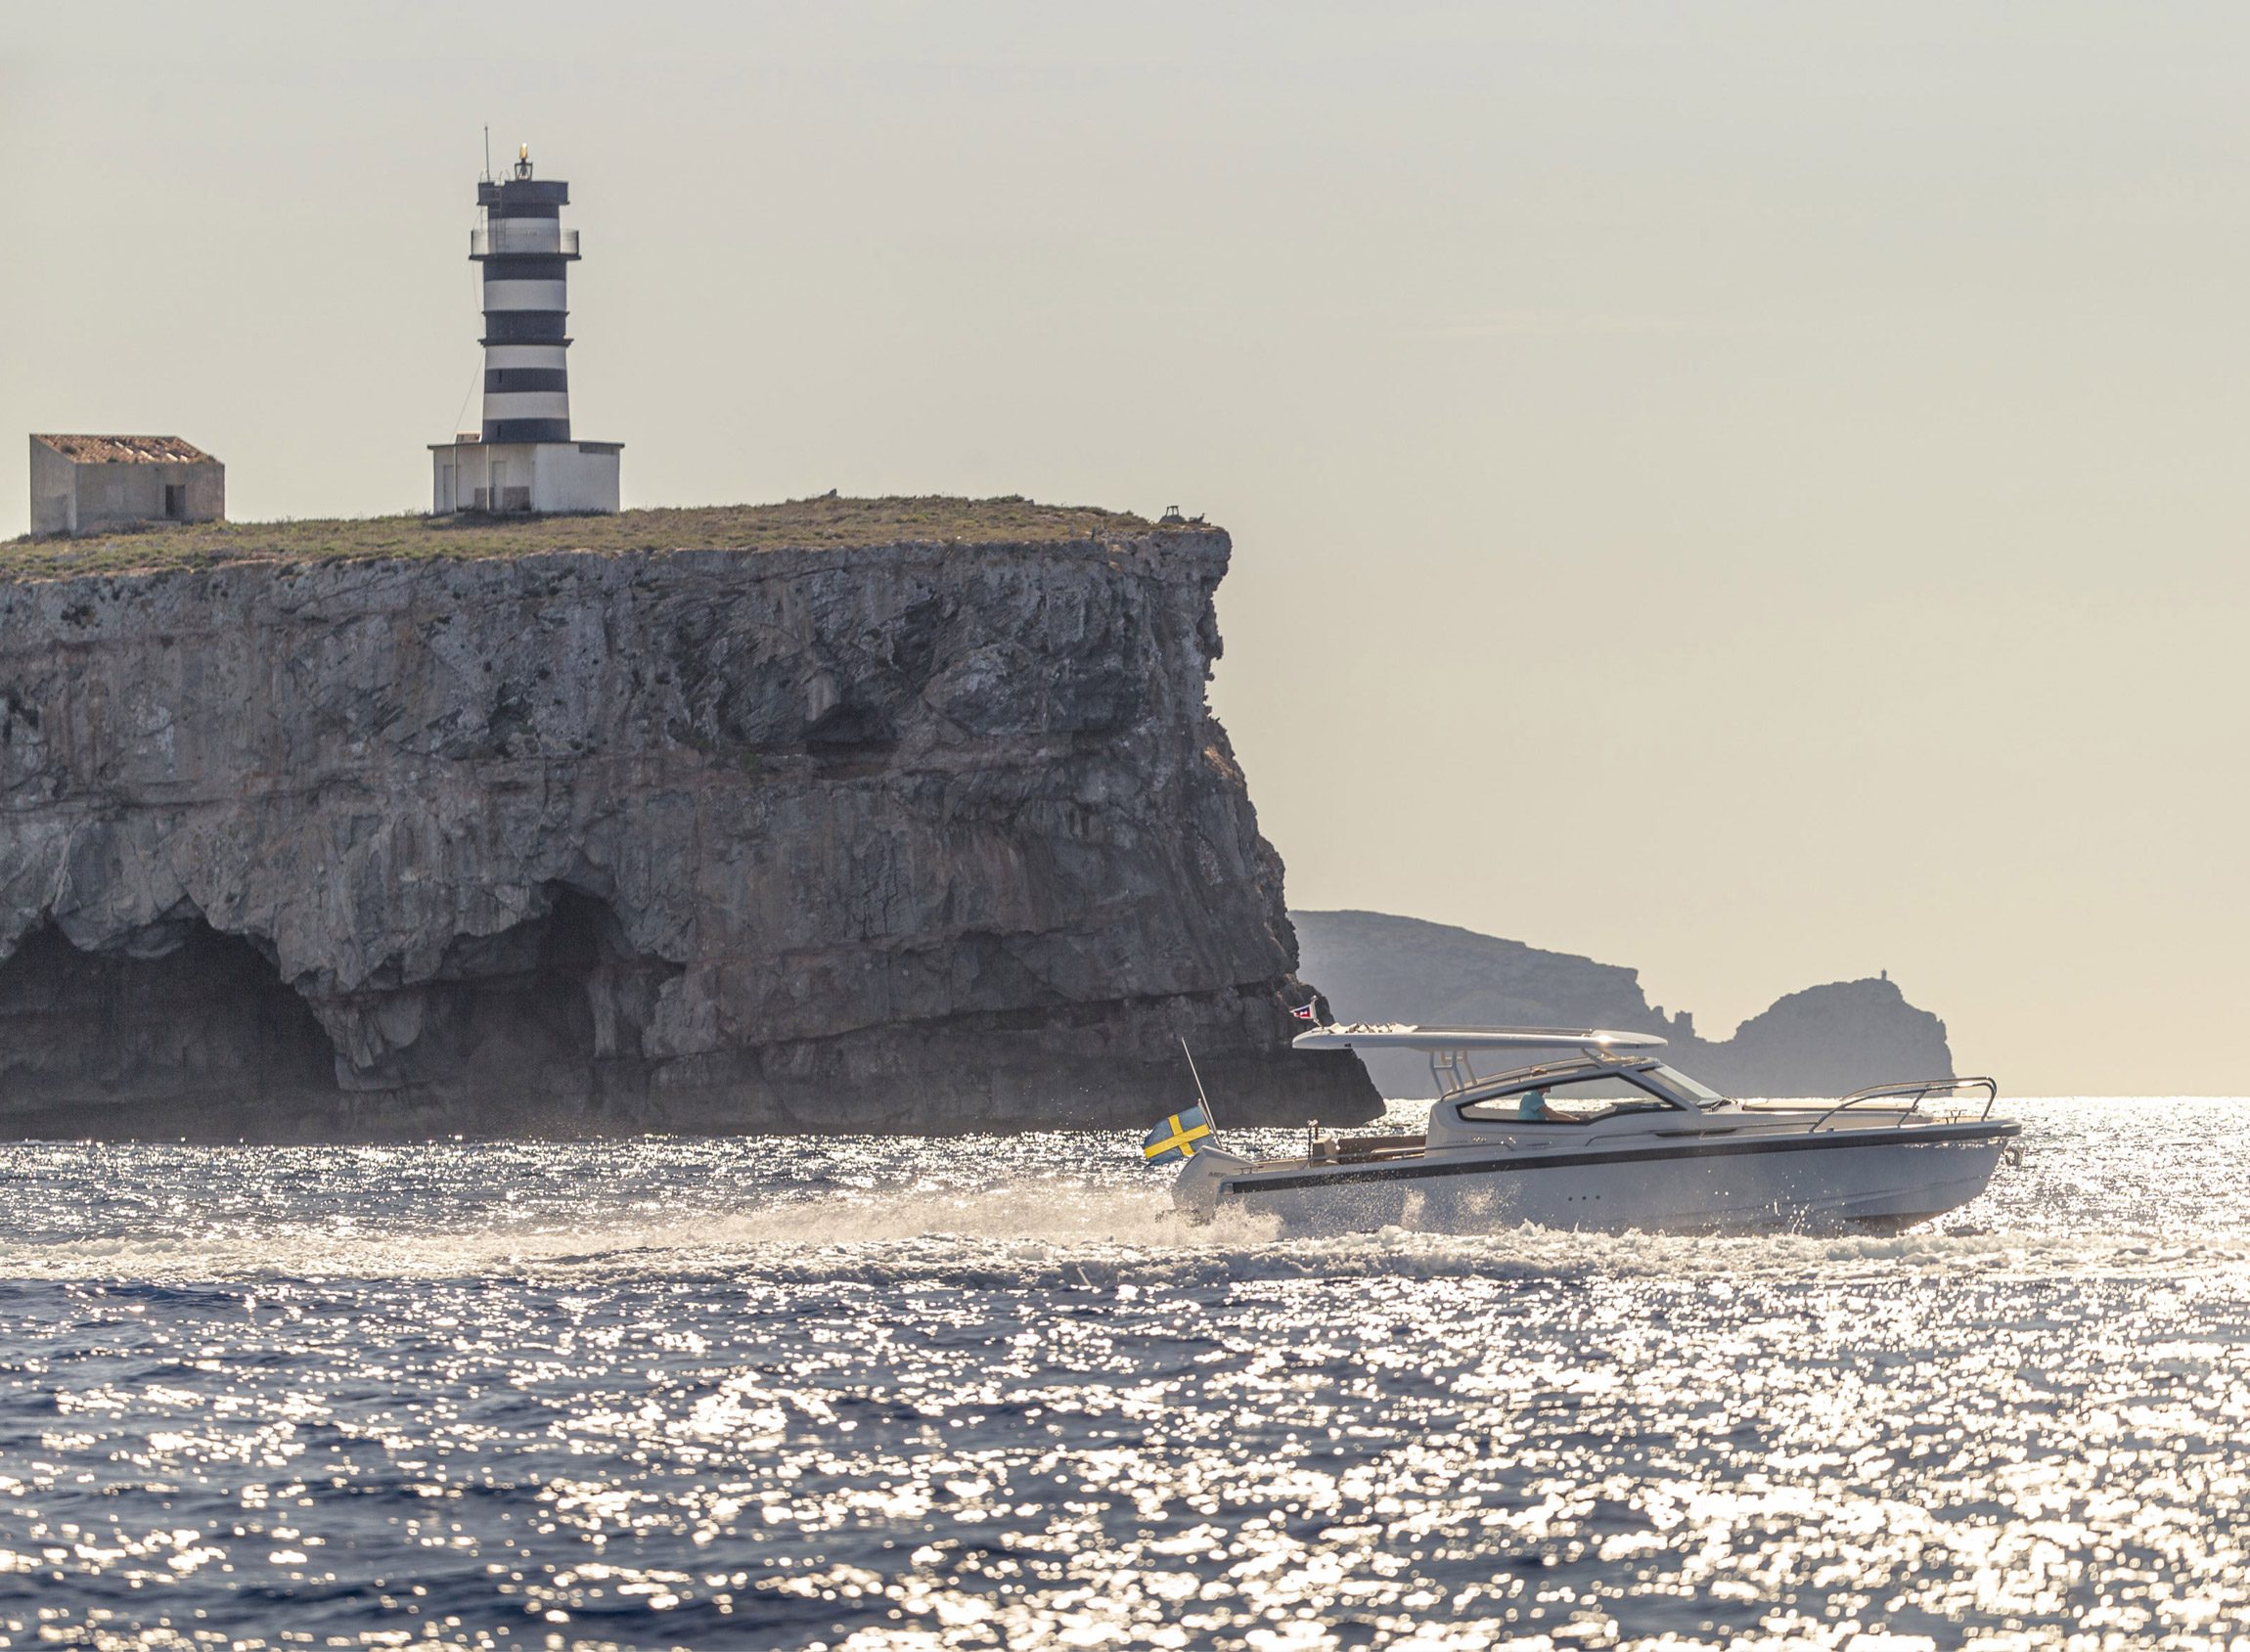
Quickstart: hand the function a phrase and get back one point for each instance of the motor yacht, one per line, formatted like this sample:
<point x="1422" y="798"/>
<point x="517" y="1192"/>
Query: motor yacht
<point x="1600" y="1134"/>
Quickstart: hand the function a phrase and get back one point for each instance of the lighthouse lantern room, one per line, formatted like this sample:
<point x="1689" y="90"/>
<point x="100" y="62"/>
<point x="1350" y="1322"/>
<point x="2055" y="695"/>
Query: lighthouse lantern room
<point x="522" y="458"/>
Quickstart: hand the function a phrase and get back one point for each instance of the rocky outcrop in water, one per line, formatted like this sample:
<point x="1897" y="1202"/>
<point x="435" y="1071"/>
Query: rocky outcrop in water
<point x="910" y="837"/>
<point x="1823" y="1040"/>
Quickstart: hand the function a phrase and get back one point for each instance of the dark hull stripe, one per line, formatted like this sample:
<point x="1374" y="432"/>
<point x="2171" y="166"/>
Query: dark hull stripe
<point x="527" y="379"/>
<point x="527" y="430"/>
<point x="1939" y="1136"/>
<point x="525" y="327"/>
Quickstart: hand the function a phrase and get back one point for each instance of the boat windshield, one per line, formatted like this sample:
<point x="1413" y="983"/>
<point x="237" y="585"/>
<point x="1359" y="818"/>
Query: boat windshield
<point x="1702" y="1095"/>
<point x="1578" y="1100"/>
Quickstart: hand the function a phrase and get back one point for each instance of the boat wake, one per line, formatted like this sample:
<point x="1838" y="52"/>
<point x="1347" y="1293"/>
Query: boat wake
<point x="1038" y="1236"/>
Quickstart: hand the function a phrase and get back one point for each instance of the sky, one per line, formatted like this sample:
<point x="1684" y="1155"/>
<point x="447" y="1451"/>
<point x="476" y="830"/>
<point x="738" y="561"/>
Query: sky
<point x="1748" y="491"/>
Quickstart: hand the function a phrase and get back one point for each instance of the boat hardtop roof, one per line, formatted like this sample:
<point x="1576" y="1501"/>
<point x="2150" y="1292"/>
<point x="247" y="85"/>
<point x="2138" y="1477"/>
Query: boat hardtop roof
<point x="1391" y="1035"/>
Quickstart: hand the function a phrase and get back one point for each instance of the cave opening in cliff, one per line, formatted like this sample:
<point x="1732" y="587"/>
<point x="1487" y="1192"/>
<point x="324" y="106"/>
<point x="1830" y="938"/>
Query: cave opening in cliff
<point x="549" y="1011"/>
<point x="176" y="1027"/>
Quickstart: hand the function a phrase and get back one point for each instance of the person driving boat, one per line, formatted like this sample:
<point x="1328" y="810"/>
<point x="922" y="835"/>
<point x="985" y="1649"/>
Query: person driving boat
<point x="1532" y="1104"/>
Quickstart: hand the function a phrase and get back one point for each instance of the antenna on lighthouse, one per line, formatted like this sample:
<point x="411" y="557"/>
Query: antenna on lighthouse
<point x="488" y="178"/>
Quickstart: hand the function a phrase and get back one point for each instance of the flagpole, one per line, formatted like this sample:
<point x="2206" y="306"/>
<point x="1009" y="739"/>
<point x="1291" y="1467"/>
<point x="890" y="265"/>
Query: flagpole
<point x="1209" y="1117"/>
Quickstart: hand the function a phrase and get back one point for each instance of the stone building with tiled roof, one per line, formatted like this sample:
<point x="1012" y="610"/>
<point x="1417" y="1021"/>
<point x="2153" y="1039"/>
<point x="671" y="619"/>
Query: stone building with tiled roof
<point x="87" y="484"/>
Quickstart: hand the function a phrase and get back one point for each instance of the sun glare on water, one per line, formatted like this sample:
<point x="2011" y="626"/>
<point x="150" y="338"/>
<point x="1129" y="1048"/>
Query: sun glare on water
<point x="919" y="1393"/>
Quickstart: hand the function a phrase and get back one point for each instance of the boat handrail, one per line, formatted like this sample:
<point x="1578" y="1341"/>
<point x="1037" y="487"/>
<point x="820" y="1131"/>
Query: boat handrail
<point x="1347" y="1150"/>
<point x="1920" y="1090"/>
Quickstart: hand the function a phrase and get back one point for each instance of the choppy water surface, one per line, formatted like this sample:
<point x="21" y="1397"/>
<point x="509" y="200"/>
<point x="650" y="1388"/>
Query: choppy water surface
<point x="904" y="1393"/>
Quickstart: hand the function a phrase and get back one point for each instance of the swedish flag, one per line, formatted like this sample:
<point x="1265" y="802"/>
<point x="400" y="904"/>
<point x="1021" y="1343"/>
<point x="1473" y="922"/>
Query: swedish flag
<point x="1176" y="1136"/>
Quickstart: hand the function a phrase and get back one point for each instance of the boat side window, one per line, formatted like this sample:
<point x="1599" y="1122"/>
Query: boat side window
<point x="1681" y="1085"/>
<point x="1579" y="1100"/>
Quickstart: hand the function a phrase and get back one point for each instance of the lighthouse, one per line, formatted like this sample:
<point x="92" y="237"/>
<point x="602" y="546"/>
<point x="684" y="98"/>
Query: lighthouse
<point x="523" y="456"/>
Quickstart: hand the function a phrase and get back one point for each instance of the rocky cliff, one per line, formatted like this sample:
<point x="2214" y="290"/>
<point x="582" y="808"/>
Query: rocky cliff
<point x="1823" y="1040"/>
<point x="890" y="832"/>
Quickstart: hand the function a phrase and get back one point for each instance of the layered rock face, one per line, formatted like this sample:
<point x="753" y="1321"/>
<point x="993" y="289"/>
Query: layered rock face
<point x="915" y="837"/>
<point x="1823" y="1040"/>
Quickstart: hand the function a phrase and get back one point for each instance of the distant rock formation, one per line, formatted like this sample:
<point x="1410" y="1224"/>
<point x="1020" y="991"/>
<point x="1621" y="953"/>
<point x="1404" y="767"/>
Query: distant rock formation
<point x="1823" y="1040"/>
<point x="901" y="835"/>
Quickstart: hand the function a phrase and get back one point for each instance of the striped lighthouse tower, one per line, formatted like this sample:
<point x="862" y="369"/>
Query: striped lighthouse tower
<point x="526" y="254"/>
<point x="523" y="457"/>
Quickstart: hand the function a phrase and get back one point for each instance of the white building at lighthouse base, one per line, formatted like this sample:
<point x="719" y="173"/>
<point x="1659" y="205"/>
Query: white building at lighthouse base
<point x="543" y="478"/>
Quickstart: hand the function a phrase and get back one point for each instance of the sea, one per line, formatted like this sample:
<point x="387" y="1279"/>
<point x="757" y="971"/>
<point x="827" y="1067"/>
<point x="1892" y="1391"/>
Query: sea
<point x="862" y="1392"/>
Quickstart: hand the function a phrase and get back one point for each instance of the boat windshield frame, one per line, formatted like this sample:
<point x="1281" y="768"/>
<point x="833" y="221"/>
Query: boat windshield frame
<point x="1689" y="1087"/>
<point x="1458" y="1078"/>
<point x="1562" y="1074"/>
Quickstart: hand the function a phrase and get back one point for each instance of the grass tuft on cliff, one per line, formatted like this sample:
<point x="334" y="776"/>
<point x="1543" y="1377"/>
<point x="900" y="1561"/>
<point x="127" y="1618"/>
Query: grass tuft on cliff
<point x="799" y="524"/>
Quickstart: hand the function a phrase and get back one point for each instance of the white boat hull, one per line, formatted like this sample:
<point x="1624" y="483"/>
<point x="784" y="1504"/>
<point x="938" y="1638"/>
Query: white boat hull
<point x="1886" y="1178"/>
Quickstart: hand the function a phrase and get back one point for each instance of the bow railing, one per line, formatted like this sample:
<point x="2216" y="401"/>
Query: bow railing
<point x="1914" y="1093"/>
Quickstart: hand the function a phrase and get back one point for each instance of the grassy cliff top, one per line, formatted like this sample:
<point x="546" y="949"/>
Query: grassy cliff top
<point x="813" y="524"/>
